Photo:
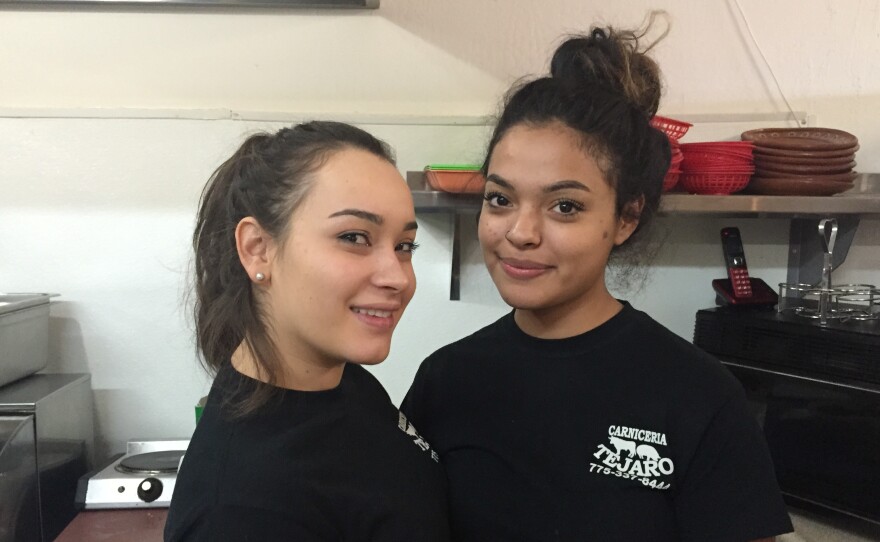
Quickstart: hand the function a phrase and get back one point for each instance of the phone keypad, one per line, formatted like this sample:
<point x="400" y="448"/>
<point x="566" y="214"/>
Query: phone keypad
<point x="742" y="286"/>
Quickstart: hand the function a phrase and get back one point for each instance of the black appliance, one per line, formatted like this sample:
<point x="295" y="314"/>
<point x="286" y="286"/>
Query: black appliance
<point x="815" y="389"/>
<point x="46" y="445"/>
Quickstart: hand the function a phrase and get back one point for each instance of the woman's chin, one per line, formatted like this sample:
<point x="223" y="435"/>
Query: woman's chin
<point x="524" y="301"/>
<point x="366" y="361"/>
<point x="369" y="358"/>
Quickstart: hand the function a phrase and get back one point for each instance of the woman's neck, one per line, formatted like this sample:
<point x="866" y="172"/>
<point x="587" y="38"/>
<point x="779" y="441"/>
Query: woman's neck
<point x="294" y="374"/>
<point x="568" y="319"/>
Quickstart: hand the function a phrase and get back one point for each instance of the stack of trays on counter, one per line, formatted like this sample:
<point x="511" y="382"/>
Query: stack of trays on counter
<point x="674" y="130"/>
<point x="716" y="167"/>
<point x="802" y="161"/>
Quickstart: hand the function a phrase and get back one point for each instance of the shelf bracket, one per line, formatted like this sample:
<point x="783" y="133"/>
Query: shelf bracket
<point x="805" y="247"/>
<point x="455" y="275"/>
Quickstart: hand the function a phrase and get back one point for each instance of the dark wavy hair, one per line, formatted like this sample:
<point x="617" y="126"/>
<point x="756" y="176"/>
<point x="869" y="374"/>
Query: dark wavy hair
<point x="266" y="178"/>
<point x="605" y="88"/>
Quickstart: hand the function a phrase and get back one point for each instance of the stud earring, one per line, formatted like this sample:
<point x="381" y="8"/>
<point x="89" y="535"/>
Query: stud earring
<point x="259" y="277"/>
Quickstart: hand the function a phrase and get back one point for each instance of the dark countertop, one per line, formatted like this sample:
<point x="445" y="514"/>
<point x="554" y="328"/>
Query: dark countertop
<point x="147" y="524"/>
<point x="142" y="525"/>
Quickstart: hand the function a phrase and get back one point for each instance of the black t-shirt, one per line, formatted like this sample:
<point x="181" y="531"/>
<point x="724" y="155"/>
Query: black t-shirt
<point x="335" y="465"/>
<point x="626" y="432"/>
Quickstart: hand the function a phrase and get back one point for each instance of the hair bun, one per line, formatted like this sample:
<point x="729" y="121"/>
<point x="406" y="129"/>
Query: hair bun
<point x="612" y="59"/>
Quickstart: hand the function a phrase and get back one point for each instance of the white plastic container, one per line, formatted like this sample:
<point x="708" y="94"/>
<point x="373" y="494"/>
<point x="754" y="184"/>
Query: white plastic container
<point x="24" y="335"/>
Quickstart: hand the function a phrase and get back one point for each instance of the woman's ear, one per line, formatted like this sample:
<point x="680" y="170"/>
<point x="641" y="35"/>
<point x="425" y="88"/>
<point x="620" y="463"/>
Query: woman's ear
<point x="255" y="249"/>
<point x="629" y="220"/>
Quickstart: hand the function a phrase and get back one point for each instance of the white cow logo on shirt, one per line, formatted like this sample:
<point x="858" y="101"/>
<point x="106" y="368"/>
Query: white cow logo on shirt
<point x="633" y="455"/>
<point x="623" y="445"/>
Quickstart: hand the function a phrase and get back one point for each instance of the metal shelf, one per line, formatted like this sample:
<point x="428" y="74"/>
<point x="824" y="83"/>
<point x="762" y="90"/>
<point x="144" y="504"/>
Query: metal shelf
<point x="862" y="201"/>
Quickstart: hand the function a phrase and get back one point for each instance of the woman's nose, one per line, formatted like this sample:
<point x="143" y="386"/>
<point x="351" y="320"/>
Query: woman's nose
<point x="525" y="230"/>
<point x="391" y="272"/>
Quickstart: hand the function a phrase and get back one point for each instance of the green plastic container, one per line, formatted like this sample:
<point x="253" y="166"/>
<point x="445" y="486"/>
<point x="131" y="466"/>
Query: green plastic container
<point x="200" y="407"/>
<point x="453" y="167"/>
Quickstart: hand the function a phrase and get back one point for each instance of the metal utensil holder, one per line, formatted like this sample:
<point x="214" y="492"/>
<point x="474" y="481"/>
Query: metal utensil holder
<point x="825" y="302"/>
<point x="839" y="303"/>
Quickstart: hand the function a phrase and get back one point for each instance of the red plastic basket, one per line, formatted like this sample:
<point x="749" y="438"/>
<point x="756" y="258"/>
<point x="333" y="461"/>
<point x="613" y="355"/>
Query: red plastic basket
<point x="690" y="166"/>
<point x="714" y="183"/>
<point x="717" y="158"/>
<point x="733" y="153"/>
<point x="709" y="167"/>
<point x="673" y="128"/>
<point x="676" y="158"/>
<point x="670" y="180"/>
<point x="721" y="144"/>
<point x="674" y="171"/>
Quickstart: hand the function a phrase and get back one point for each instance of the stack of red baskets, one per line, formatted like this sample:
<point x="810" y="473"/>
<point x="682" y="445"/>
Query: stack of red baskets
<point x="674" y="130"/>
<point x="717" y="167"/>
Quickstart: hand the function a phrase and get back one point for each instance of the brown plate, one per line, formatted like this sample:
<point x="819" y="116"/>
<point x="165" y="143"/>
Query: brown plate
<point x="804" y="169"/>
<point x="796" y="187"/>
<point x="801" y="139"/>
<point x="800" y="161"/>
<point x="835" y="177"/>
<point x="839" y="153"/>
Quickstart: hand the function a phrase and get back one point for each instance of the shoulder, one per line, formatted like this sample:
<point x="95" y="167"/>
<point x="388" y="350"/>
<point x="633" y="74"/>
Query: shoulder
<point x="677" y="361"/>
<point x="475" y="342"/>
<point x="362" y="382"/>
<point x="449" y="364"/>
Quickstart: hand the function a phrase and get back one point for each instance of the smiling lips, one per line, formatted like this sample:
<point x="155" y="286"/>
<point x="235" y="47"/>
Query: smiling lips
<point x="372" y="312"/>
<point x="523" y="269"/>
<point x="380" y="318"/>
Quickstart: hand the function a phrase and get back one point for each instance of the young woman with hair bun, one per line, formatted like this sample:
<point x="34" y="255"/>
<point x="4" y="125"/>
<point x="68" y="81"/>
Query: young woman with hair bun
<point x="303" y="268"/>
<point x="576" y="416"/>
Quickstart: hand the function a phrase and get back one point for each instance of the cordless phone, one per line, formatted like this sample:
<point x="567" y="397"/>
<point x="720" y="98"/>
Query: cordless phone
<point x="735" y="259"/>
<point x="739" y="289"/>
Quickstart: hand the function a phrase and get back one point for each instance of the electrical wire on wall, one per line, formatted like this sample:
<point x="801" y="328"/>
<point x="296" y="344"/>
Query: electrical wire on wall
<point x="766" y="63"/>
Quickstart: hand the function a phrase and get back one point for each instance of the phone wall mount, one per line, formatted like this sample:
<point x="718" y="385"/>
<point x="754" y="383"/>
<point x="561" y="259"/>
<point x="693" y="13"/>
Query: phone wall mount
<point x="762" y="294"/>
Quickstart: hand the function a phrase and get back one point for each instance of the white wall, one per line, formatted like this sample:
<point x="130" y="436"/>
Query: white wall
<point x="112" y="119"/>
<point x="428" y="57"/>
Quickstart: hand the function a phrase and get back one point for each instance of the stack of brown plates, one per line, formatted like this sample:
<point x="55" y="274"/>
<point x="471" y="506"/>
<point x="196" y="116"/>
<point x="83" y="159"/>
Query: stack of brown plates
<point x="802" y="161"/>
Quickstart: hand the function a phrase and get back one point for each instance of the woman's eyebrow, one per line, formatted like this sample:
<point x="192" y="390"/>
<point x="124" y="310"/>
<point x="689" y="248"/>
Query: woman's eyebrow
<point x="555" y="187"/>
<point x="565" y="185"/>
<point x="360" y="213"/>
<point x="494" y="178"/>
<point x="371" y="217"/>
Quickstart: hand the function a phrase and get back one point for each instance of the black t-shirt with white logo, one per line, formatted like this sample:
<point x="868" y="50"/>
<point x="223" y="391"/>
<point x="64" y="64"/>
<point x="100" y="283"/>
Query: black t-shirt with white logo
<point x="335" y="465"/>
<point x="624" y="433"/>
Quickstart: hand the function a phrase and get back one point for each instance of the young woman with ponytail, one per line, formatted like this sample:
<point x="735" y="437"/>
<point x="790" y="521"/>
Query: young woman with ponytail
<point x="577" y="417"/>
<point x="303" y="247"/>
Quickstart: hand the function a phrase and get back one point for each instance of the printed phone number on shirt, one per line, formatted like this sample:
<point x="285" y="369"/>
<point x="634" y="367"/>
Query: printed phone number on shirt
<point x="602" y="469"/>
